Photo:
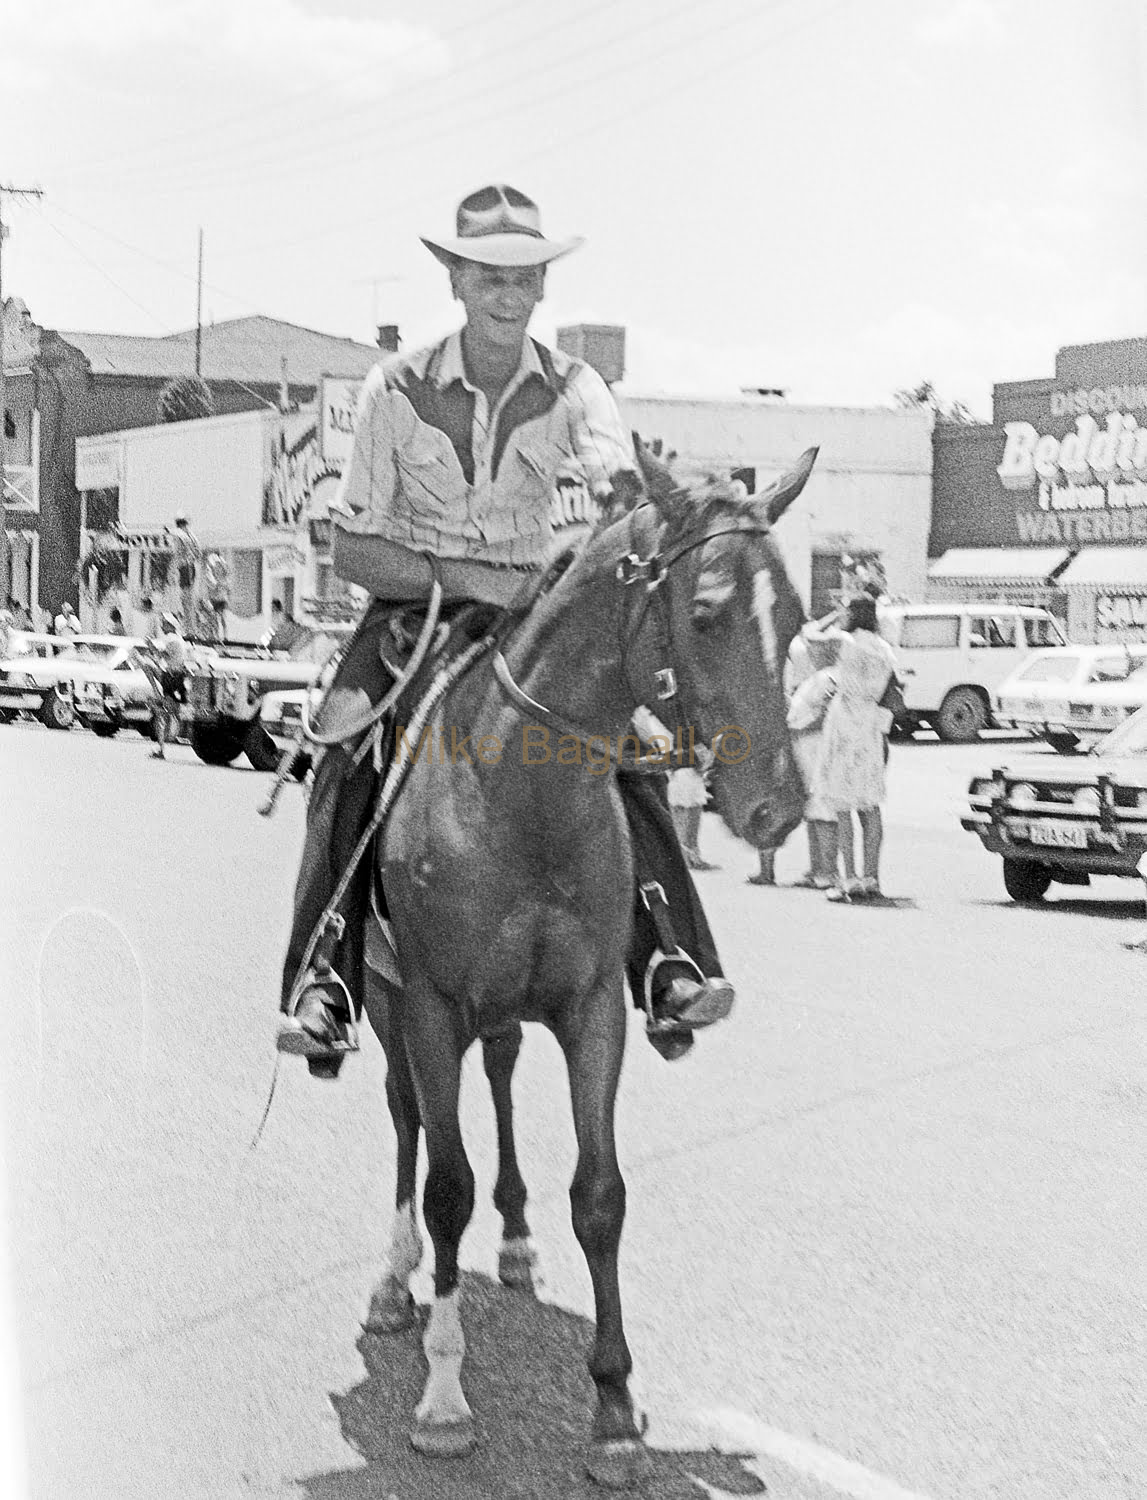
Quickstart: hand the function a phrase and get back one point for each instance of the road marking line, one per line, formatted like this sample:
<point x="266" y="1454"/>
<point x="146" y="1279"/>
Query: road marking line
<point x="805" y="1458"/>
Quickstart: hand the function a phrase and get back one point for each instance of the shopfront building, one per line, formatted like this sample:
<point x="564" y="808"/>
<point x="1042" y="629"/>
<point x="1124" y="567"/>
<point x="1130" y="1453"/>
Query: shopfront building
<point x="1048" y="503"/>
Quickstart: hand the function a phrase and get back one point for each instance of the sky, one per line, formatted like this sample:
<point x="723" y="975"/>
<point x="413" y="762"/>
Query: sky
<point x="840" y="198"/>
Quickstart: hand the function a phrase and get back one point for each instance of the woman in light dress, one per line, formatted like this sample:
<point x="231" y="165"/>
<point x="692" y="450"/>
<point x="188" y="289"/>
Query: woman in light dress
<point x="810" y="683"/>
<point x="850" y="772"/>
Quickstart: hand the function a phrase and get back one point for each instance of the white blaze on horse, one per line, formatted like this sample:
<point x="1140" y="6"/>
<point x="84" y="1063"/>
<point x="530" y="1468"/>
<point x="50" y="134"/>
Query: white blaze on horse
<point x="510" y="889"/>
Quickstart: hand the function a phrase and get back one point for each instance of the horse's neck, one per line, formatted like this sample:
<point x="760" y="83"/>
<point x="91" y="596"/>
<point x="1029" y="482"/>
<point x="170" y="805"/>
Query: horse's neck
<point x="568" y="656"/>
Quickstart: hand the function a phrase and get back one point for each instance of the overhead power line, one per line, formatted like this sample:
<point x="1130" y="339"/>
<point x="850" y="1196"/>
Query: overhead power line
<point x="225" y="122"/>
<point x="560" y="138"/>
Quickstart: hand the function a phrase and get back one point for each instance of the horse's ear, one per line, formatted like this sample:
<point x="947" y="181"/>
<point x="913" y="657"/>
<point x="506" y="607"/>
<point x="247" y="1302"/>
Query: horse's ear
<point x="783" y="491"/>
<point x="660" y="485"/>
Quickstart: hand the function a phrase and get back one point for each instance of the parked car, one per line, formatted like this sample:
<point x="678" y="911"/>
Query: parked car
<point x="1062" y="821"/>
<point x="1073" y="695"/>
<point x="115" y="691"/>
<point x="953" y="657"/>
<point x="37" y="676"/>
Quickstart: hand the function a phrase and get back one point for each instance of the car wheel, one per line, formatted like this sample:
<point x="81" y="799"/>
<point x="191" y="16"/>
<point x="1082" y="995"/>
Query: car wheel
<point x="963" y="714"/>
<point x="1025" y="881"/>
<point x="106" y="729"/>
<point x="260" y="749"/>
<point x="1065" y="744"/>
<point x="57" y="712"/>
<point x="215" y="745"/>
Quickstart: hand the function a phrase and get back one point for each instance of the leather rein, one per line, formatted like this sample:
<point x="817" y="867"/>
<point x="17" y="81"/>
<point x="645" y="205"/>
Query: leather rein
<point x="652" y="570"/>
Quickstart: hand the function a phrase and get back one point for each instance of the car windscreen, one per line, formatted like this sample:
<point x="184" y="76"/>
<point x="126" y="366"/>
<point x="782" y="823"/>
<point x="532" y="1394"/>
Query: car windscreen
<point x="1049" y="669"/>
<point x="1112" y="668"/>
<point x="1129" y="739"/>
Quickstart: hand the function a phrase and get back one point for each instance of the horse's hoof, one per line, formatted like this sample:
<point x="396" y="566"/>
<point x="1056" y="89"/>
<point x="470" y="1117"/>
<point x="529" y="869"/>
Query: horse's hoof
<point x="324" y="1067"/>
<point x="516" y="1263"/>
<point x="392" y="1310"/>
<point x="619" y="1464"/>
<point x="444" y="1439"/>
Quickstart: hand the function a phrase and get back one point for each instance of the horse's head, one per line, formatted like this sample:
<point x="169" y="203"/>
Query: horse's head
<point x="733" y="612"/>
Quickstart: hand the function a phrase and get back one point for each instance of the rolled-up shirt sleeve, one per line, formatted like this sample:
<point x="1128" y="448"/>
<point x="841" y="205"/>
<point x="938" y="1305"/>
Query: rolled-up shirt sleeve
<point x="601" y="440"/>
<point x="366" y="490"/>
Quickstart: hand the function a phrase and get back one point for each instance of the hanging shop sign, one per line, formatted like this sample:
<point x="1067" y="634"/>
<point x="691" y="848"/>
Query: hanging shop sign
<point x="339" y="406"/>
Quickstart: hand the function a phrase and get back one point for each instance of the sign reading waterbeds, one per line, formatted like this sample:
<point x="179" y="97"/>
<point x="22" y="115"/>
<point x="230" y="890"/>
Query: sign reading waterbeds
<point x="1063" y="463"/>
<point x="1097" y="471"/>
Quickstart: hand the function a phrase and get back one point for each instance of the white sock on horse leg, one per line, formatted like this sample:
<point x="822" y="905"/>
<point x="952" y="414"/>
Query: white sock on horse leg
<point x="445" y="1347"/>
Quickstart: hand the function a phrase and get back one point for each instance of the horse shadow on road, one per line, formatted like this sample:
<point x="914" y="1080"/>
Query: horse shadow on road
<point x="532" y="1398"/>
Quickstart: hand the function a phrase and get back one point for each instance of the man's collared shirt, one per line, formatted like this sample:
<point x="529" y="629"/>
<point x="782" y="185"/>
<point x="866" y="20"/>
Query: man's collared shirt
<point x="435" y="469"/>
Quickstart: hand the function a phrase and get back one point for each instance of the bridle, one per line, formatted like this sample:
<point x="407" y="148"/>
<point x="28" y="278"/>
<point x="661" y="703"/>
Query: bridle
<point x="643" y="563"/>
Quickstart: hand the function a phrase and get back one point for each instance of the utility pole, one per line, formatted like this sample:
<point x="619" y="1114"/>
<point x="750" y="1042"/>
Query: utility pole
<point x="5" y="557"/>
<point x="199" y="306"/>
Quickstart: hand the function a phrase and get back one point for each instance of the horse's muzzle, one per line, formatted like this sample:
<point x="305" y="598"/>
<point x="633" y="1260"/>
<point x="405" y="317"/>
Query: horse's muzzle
<point x="770" y="825"/>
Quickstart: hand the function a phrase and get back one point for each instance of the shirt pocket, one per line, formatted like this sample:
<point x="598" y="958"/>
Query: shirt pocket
<point x="521" y="498"/>
<point x="431" y="483"/>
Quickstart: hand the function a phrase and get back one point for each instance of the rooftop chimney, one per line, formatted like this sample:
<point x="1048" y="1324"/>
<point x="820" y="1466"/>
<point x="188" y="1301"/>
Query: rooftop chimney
<point x="388" y="339"/>
<point x="601" y="345"/>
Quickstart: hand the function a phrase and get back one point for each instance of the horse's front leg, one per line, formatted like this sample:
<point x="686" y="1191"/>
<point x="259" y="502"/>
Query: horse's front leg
<point x="391" y="1303"/>
<point x="443" y="1423"/>
<point x="594" y="1044"/>
<point x="516" y="1256"/>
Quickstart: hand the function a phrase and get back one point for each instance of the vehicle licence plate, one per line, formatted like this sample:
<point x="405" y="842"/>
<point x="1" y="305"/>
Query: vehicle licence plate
<point x="1053" y="835"/>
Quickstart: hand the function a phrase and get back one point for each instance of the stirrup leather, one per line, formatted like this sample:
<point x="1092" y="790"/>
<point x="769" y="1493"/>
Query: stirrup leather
<point x="653" y="897"/>
<point x="320" y="973"/>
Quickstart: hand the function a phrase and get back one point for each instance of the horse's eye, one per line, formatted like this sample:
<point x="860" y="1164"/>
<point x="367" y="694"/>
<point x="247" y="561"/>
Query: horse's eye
<point x="711" y="599"/>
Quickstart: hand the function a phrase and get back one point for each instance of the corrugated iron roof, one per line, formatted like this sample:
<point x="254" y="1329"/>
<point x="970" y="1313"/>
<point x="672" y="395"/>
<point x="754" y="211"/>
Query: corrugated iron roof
<point x="247" y="349"/>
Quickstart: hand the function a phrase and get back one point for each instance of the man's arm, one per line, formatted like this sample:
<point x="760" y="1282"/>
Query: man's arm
<point x="367" y="486"/>
<point x="601" y="439"/>
<point x="391" y="571"/>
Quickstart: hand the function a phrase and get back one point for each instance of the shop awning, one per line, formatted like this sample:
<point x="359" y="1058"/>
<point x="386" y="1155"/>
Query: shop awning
<point x="998" y="564"/>
<point x="1095" y="566"/>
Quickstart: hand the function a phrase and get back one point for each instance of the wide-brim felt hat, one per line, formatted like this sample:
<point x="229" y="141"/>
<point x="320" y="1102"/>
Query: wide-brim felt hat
<point x="500" y="226"/>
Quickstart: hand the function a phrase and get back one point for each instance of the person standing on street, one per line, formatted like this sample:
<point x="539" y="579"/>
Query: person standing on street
<point x="67" y="621"/>
<point x="171" y="655"/>
<point x="217" y="576"/>
<point x="850" y="773"/>
<point x="148" y="622"/>
<point x="187" y="552"/>
<point x="811" y="684"/>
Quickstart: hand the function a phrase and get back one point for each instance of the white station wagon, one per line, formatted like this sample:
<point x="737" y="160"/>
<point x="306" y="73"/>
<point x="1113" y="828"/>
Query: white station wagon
<point x="953" y="657"/>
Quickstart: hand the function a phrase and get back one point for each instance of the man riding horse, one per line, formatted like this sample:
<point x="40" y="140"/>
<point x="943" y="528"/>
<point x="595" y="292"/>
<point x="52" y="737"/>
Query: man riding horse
<point x="456" y="456"/>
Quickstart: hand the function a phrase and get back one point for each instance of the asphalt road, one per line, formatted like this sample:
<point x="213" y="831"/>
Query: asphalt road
<point x="885" y="1231"/>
